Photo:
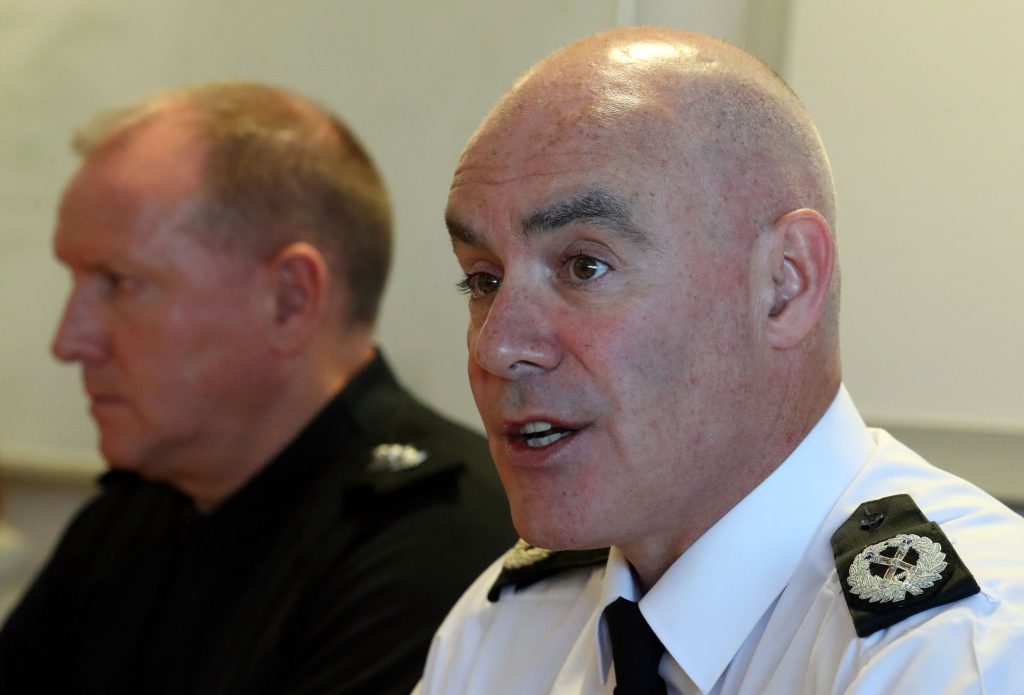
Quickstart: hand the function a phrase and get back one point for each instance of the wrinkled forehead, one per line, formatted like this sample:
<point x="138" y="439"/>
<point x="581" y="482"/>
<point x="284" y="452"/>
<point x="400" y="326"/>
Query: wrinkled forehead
<point x="550" y="146"/>
<point x="511" y="175"/>
<point x="689" y="130"/>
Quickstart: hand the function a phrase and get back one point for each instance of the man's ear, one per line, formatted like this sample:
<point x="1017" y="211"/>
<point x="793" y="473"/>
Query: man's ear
<point x="300" y="291"/>
<point x="802" y="260"/>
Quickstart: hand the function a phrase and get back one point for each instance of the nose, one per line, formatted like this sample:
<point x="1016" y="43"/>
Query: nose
<point x="516" y="336"/>
<point x="80" y="336"/>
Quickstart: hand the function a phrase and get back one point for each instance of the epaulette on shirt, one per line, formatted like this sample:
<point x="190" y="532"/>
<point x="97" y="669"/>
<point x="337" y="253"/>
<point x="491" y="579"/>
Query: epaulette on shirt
<point x="394" y="467"/>
<point x="525" y="565"/>
<point x="893" y="563"/>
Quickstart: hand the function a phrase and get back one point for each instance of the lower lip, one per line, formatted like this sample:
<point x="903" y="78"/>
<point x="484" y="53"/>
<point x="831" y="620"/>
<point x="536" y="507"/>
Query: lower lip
<point x="520" y="454"/>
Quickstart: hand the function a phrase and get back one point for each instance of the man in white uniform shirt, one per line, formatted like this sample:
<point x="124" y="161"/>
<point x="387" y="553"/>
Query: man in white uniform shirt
<point x="646" y="225"/>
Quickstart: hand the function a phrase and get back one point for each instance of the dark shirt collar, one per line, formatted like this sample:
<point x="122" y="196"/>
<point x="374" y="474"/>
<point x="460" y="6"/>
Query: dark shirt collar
<point x="256" y="510"/>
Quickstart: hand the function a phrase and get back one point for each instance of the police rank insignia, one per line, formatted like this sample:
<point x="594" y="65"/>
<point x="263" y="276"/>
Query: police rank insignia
<point x="522" y="555"/>
<point x="902" y="574"/>
<point x="526" y="564"/>
<point x="893" y="563"/>
<point x="391" y="458"/>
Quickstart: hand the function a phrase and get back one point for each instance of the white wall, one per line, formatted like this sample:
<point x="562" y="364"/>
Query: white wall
<point x="921" y="106"/>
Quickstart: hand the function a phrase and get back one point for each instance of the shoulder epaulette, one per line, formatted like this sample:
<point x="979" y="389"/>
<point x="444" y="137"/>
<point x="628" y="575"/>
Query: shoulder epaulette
<point x="395" y="467"/>
<point x="526" y="564"/>
<point x="893" y="563"/>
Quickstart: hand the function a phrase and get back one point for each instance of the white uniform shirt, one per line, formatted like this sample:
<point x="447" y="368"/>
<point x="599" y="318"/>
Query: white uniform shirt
<point x="755" y="605"/>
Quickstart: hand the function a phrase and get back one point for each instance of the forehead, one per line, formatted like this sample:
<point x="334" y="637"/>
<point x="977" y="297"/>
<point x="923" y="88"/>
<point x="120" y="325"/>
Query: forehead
<point x="524" y="165"/>
<point x="162" y="159"/>
<point x="121" y="196"/>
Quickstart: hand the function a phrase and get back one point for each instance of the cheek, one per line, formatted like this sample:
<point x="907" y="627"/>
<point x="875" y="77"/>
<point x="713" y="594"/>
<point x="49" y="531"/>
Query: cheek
<point x="472" y="333"/>
<point x="212" y="344"/>
<point x="472" y="366"/>
<point x="643" y="348"/>
<point x="656" y="373"/>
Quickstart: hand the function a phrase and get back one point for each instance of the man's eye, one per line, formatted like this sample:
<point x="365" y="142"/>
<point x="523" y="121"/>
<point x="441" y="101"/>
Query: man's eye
<point x="112" y="282"/>
<point x="117" y="284"/>
<point x="478" y="285"/>
<point x="587" y="268"/>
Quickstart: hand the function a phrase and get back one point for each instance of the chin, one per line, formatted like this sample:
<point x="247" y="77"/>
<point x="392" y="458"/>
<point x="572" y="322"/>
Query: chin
<point x="545" y="528"/>
<point x="115" y="459"/>
<point x="120" y="455"/>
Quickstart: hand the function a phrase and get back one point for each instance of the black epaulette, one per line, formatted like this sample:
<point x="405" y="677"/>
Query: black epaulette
<point x="893" y="563"/>
<point x="394" y="467"/>
<point x="525" y="565"/>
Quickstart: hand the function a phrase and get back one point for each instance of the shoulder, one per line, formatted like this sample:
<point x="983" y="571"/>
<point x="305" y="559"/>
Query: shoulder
<point x="934" y="588"/>
<point x="901" y="634"/>
<point x="124" y="521"/>
<point x="126" y="511"/>
<point x="413" y="510"/>
<point x="392" y="413"/>
<point x="525" y="565"/>
<point x="388" y="414"/>
<point x="416" y="459"/>
<point x="497" y="624"/>
<point x="982" y="531"/>
<point x="525" y="578"/>
<point x="893" y="562"/>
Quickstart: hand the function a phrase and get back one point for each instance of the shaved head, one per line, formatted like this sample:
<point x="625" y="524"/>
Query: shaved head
<point x="645" y="221"/>
<point x="734" y="137"/>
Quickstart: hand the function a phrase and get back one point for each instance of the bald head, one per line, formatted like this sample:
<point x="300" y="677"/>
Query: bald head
<point x="720" y="125"/>
<point x="679" y="97"/>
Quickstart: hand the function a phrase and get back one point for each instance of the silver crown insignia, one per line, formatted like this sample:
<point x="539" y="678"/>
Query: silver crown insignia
<point x="391" y="458"/>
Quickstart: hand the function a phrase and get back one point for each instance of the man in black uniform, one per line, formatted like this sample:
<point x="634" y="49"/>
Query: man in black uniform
<point x="280" y="515"/>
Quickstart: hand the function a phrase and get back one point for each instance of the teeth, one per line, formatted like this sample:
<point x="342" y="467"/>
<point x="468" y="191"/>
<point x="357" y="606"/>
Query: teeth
<point x="534" y="427"/>
<point x="538" y="442"/>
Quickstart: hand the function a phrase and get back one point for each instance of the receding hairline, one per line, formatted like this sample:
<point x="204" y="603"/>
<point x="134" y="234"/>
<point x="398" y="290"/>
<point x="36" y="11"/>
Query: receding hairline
<point x="193" y="106"/>
<point x="273" y="167"/>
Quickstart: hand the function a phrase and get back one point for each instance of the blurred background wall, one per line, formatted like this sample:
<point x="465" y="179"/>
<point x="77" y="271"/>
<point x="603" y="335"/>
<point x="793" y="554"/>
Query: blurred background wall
<point x="919" y="103"/>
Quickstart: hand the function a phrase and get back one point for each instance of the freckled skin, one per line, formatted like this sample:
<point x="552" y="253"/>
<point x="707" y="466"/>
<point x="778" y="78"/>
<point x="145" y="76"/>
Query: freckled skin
<point x="660" y="364"/>
<point x="640" y="359"/>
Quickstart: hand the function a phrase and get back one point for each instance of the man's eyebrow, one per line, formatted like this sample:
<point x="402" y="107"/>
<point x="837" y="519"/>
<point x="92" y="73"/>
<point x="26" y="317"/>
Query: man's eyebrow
<point x="596" y="206"/>
<point x="460" y="232"/>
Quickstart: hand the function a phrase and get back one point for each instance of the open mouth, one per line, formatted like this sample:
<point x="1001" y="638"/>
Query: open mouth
<point x="538" y="435"/>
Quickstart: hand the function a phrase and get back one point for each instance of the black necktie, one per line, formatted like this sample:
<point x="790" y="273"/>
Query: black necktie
<point x="636" y="650"/>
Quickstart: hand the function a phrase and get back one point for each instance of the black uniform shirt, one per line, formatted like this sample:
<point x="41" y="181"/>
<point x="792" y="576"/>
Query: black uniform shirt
<point x="318" y="576"/>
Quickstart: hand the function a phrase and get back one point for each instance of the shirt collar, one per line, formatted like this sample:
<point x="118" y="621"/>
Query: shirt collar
<point x="253" y="513"/>
<point x="707" y="602"/>
<point x="619" y="580"/>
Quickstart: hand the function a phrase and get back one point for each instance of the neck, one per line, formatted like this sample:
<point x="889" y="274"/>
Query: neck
<point x="248" y="447"/>
<point x="731" y="479"/>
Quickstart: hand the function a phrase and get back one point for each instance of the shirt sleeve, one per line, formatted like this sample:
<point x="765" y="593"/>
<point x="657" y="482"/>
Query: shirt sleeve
<point x="954" y="651"/>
